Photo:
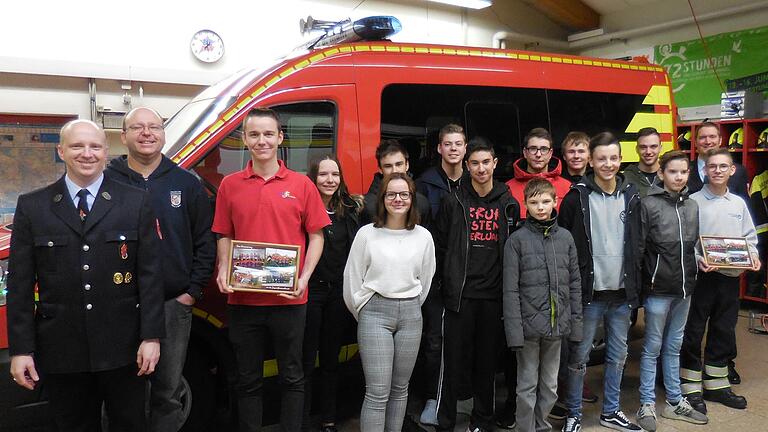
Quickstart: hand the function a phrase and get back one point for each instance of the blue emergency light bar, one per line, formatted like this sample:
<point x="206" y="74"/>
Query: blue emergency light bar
<point x="368" y="29"/>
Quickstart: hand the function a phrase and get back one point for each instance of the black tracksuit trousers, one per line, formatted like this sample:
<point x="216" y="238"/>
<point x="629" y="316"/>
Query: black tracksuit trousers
<point x="470" y="346"/>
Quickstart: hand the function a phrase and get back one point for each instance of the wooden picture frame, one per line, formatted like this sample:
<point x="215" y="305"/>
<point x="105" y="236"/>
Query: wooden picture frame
<point x="726" y="252"/>
<point x="263" y="267"/>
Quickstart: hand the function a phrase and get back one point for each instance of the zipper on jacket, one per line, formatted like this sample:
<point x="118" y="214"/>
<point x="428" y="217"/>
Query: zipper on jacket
<point x="682" y="258"/>
<point x="466" y="256"/>
<point x="655" y="270"/>
<point x="553" y="299"/>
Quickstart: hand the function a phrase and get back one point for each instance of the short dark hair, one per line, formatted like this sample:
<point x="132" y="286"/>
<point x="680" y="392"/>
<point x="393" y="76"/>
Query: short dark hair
<point x="539" y="186"/>
<point x="672" y="155"/>
<point x="603" y="139"/>
<point x="387" y="147"/>
<point x="647" y="131"/>
<point x="537" y="133"/>
<point x="573" y="138"/>
<point x="263" y="112"/>
<point x="412" y="217"/>
<point x="450" y="128"/>
<point x="477" y="144"/>
<point x="720" y="151"/>
<point x="708" y="124"/>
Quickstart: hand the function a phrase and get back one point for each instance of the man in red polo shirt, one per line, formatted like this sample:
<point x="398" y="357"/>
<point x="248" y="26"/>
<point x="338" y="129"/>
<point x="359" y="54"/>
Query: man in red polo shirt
<point x="267" y="202"/>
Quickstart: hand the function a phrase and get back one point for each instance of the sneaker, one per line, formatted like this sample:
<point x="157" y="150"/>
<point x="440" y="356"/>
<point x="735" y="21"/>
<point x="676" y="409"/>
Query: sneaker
<point x="506" y="419"/>
<point x="697" y="402"/>
<point x="733" y="377"/>
<point x="429" y="414"/>
<point x="476" y="429"/>
<point x="572" y="424"/>
<point x="559" y="412"/>
<point x="618" y="421"/>
<point x="587" y="395"/>
<point x="726" y="397"/>
<point x="646" y="416"/>
<point x="685" y="412"/>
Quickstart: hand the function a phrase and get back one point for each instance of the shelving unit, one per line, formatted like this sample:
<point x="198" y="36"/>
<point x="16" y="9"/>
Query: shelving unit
<point x="753" y="155"/>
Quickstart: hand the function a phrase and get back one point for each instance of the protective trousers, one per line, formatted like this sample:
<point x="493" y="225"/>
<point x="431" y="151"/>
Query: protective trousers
<point x="716" y="299"/>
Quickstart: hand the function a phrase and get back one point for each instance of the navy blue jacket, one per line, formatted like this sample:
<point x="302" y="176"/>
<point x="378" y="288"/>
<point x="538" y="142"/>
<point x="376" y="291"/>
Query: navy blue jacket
<point x="434" y="186"/>
<point x="185" y="216"/>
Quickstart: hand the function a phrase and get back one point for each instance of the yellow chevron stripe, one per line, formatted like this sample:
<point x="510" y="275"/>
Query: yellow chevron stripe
<point x="658" y="95"/>
<point x="662" y="122"/>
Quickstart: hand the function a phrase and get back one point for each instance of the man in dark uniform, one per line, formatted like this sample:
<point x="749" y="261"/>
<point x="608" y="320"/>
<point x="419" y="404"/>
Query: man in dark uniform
<point x="89" y="244"/>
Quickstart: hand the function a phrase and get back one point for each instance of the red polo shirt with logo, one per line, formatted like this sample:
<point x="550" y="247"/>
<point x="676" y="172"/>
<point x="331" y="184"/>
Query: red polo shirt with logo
<point x="282" y="209"/>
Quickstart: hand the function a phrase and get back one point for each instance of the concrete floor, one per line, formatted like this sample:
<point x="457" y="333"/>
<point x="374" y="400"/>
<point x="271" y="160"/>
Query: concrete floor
<point x="752" y="364"/>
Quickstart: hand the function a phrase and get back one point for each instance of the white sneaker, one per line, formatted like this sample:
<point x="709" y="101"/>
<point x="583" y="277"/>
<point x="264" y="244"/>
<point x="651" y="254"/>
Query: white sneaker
<point x="685" y="412"/>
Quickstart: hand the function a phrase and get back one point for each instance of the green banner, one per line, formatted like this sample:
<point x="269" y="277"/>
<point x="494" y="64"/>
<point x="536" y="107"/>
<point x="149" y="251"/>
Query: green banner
<point x="735" y="55"/>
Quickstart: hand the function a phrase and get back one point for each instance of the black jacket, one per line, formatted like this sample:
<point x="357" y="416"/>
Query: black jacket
<point x="352" y="223"/>
<point x="99" y="283"/>
<point x="670" y="230"/>
<point x="452" y="237"/>
<point x="185" y="216"/>
<point x="369" y="210"/>
<point x="434" y="185"/>
<point x="575" y="217"/>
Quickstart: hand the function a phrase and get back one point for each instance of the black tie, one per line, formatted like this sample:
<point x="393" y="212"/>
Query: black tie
<point x="82" y="205"/>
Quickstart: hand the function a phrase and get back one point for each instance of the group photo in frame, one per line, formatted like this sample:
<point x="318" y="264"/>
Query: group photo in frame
<point x="726" y="252"/>
<point x="263" y="267"/>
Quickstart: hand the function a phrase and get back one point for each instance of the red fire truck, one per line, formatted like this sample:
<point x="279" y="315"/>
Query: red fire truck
<point x="344" y="97"/>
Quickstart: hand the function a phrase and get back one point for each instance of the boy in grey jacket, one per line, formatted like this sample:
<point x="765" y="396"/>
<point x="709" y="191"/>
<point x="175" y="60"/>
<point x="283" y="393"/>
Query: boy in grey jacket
<point x="541" y="283"/>
<point x="669" y="231"/>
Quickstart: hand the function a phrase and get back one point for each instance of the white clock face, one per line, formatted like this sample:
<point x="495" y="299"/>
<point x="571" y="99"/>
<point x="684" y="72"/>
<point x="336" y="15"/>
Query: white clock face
<point x="207" y="46"/>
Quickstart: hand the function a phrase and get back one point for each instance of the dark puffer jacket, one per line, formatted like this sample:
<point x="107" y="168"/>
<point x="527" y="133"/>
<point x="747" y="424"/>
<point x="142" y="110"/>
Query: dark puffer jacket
<point x="670" y="229"/>
<point x="542" y="284"/>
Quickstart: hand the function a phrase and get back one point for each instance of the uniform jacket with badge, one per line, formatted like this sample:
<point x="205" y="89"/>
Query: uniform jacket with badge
<point x="185" y="215"/>
<point x="100" y="291"/>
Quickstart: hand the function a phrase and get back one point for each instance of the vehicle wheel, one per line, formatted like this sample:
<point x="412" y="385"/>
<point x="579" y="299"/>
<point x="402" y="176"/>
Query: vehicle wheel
<point x="185" y="397"/>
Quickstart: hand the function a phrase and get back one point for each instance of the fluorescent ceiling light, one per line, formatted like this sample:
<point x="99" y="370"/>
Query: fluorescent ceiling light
<point x="472" y="4"/>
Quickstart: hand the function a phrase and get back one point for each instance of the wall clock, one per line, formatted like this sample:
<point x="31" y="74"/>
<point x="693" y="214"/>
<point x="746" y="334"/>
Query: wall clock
<point x="207" y="46"/>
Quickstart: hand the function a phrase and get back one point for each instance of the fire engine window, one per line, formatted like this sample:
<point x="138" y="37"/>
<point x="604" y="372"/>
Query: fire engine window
<point x="309" y="130"/>
<point x="415" y="113"/>
<point x="593" y="112"/>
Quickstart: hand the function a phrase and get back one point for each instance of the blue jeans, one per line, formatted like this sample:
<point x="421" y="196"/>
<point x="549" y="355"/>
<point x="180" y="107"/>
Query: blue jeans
<point x="665" y="319"/>
<point x="616" y="316"/>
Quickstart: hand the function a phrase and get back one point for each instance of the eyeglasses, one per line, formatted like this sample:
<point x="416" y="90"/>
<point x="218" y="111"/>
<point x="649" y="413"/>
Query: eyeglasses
<point x="541" y="150"/>
<point x="390" y="196"/>
<point x="140" y="128"/>
<point x="720" y="167"/>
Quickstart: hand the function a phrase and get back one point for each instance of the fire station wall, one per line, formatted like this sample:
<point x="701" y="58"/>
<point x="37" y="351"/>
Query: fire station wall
<point x="666" y="11"/>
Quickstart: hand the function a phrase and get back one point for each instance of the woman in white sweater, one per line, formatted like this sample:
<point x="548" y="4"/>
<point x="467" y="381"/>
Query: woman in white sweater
<point x="387" y="277"/>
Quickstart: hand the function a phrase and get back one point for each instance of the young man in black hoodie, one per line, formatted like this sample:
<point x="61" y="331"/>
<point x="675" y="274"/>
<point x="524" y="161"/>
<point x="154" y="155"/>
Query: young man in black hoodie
<point x="188" y="249"/>
<point x="602" y="212"/>
<point x="471" y="229"/>
<point x="435" y="183"/>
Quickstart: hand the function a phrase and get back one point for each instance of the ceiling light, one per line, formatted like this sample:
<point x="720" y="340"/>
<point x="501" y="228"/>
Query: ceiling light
<point x="472" y="4"/>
